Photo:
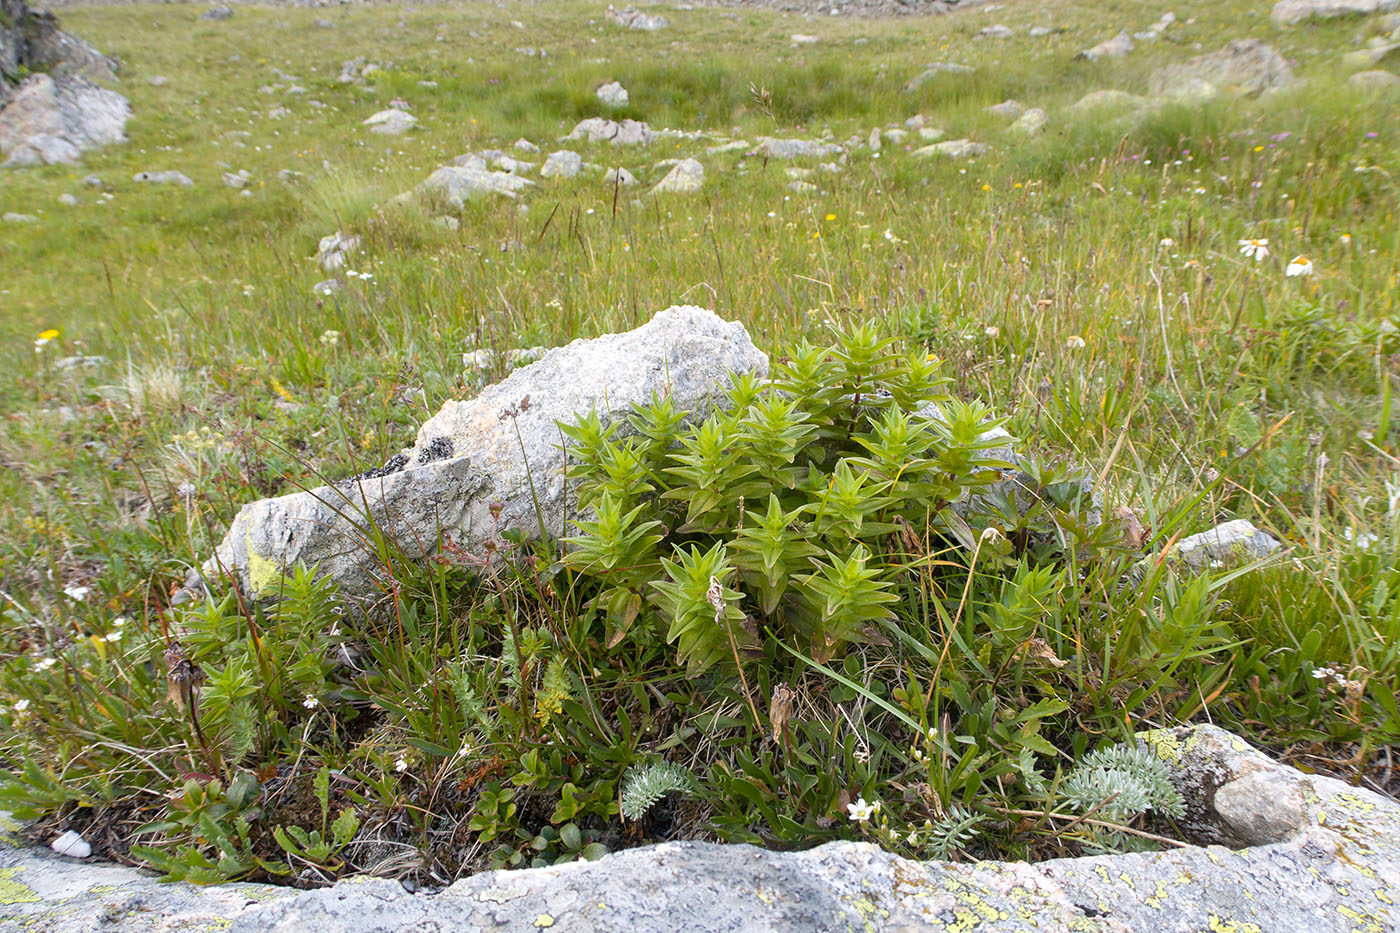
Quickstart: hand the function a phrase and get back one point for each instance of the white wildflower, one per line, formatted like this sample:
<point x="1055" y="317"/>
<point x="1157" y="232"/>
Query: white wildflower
<point x="44" y="664"/>
<point x="76" y="593"/>
<point x="860" y="811"/>
<point x="1301" y="265"/>
<point x="311" y="702"/>
<point x="1256" y="249"/>
<point x="1075" y="342"/>
<point x="401" y="765"/>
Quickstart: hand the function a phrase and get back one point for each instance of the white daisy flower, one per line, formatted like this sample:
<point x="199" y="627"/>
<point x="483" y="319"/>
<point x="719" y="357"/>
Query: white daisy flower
<point x="1257" y="249"/>
<point x="1301" y="265"/>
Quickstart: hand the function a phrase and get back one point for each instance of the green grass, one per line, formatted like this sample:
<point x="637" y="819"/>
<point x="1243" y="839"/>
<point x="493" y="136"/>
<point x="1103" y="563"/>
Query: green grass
<point x="1085" y="284"/>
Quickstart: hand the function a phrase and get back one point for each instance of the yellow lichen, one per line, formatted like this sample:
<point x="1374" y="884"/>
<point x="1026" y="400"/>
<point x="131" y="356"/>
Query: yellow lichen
<point x="13" y="891"/>
<point x="544" y="920"/>
<point x="262" y="572"/>
<point x="1221" y="925"/>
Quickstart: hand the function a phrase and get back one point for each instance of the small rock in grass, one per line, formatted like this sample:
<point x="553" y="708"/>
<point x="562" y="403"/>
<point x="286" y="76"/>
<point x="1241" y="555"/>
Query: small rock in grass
<point x="619" y="177"/>
<point x="932" y="72"/>
<point x="94" y="181"/>
<point x="524" y="145"/>
<point x="630" y="17"/>
<point x="1375" y="81"/>
<point x="1116" y="47"/>
<point x="333" y="250"/>
<point x="217" y="13"/>
<point x="68" y="200"/>
<point x="564" y="163"/>
<point x="71" y="845"/>
<point x="685" y="178"/>
<point x="1010" y="109"/>
<point x="613" y="94"/>
<point x="12" y="217"/>
<point x="1030" y="122"/>
<point x="391" y="122"/>
<point x="164" y="178"/>
<point x="997" y="31"/>
<point x="157" y="80"/>
<point x="953" y="149"/>
<point x="802" y="39"/>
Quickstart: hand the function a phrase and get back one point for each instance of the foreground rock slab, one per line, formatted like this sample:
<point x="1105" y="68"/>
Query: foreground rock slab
<point x="486" y="465"/>
<point x="1320" y="857"/>
<point x="47" y="122"/>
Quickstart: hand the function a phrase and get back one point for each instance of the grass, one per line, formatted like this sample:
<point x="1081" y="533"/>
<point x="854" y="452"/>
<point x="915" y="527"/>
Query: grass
<point x="1086" y="284"/>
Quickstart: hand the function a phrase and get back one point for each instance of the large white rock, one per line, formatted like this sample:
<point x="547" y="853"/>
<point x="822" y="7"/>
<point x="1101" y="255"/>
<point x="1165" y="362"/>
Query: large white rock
<point x="499" y="451"/>
<point x="46" y="122"/>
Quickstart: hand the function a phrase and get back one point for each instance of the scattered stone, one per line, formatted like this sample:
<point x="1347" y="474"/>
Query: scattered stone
<point x="325" y="288"/>
<point x="72" y="845"/>
<point x="626" y="133"/>
<point x="930" y="134"/>
<point x="507" y="466"/>
<point x="802" y="39"/>
<point x="1039" y="31"/>
<point x="619" y="177"/>
<point x="157" y="80"/>
<point x="896" y="135"/>
<point x="1010" y="109"/>
<point x="447" y="222"/>
<point x="734" y="145"/>
<point x="321" y="22"/>
<point x="1288" y="12"/>
<point x="1233" y="542"/>
<point x="13" y="217"/>
<point x="953" y="149"/>
<point x="613" y="94"/>
<point x="630" y="17"/>
<point x="876" y="140"/>
<point x="68" y="200"/>
<point x="289" y="176"/>
<point x="1116" y="47"/>
<point x="457" y="184"/>
<point x="932" y="72"/>
<point x="1156" y="29"/>
<point x="802" y="187"/>
<point x="237" y="179"/>
<point x="524" y="145"/>
<point x="997" y="31"/>
<point x="391" y="122"/>
<point x="47" y="121"/>
<point x="1383" y="81"/>
<point x="333" y="250"/>
<point x="94" y="181"/>
<point x="1107" y="101"/>
<point x="1031" y="122"/>
<point x="80" y="362"/>
<point x="796" y="148"/>
<point x="686" y="177"/>
<point x="217" y="13"/>
<point x="163" y="178"/>
<point x="562" y="164"/>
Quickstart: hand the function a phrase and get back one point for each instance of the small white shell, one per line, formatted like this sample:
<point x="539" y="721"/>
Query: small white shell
<point x="71" y="844"/>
